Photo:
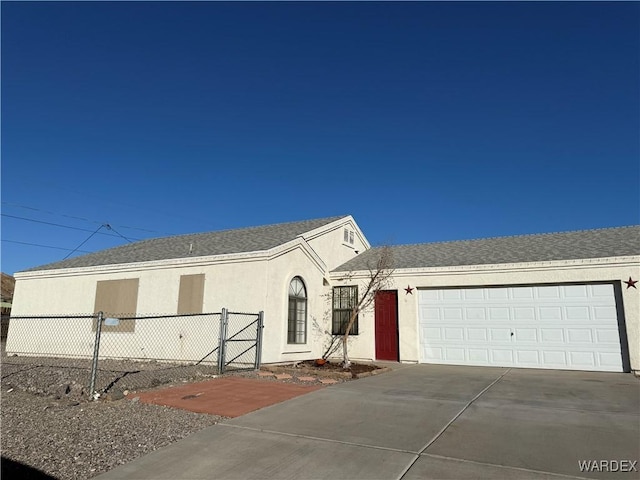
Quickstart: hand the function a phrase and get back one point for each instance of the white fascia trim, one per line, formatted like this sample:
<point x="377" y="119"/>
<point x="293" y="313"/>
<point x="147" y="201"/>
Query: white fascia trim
<point x="257" y="256"/>
<point x="302" y="244"/>
<point x="581" y="264"/>
<point x="151" y="265"/>
<point x="341" y="222"/>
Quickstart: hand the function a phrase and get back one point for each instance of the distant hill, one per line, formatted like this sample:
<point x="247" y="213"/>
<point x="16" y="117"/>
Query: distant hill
<point x="8" y="284"/>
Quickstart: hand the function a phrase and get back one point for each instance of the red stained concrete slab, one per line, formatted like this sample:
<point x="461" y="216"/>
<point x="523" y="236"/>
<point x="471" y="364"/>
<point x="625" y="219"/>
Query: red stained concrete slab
<point x="229" y="397"/>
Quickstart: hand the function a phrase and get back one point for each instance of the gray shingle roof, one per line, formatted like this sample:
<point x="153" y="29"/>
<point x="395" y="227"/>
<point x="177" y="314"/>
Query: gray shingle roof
<point x="252" y="239"/>
<point x="606" y="242"/>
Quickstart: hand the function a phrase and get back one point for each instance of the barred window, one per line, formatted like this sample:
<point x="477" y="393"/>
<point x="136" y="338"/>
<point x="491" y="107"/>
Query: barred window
<point x="345" y="299"/>
<point x="297" y="319"/>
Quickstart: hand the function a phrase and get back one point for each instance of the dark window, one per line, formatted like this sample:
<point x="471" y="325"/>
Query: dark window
<point x="345" y="299"/>
<point x="297" y="318"/>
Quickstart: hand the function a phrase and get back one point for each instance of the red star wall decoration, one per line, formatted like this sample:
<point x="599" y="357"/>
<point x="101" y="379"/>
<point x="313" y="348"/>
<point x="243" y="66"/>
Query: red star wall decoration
<point x="409" y="290"/>
<point x="631" y="283"/>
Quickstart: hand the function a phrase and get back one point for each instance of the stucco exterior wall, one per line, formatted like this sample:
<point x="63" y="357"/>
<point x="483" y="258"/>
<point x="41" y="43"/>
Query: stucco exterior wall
<point x="281" y="271"/>
<point x="251" y="282"/>
<point x="330" y="244"/>
<point x="596" y="270"/>
<point x="238" y="286"/>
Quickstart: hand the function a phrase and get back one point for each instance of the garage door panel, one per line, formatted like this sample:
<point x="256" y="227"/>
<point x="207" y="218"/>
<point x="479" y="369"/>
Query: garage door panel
<point x="526" y="335"/>
<point x="585" y="360"/>
<point x="473" y="294"/>
<point x="575" y="291"/>
<point x="433" y="333"/>
<point x="564" y="326"/>
<point x="451" y="294"/>
<point x="608" y="360"/>
<point x="603" y="290"/>
<point x="555" y="359"/>
<point x="604" y="313"/>
<point x="579" y="335"/>
<point x="430" y="313"/>
<point x="504" y="357"/>
<point x="455" y="355"/>
<point x="552" y="335"/>
<point x="452" y="314"/>
<point x="607" y="336"/>
<point x="475" y="313"/>
<point x="549" y="314"/>
<point x="523" y="293"/>
<point x="454" y="334"/>
<point x="434" y="354"/>
<point x="500" y="335"/>
<point x="548" y="292"/>
<point x="497" y="314"/>
<point x="497" y="294"/>
<point x="428" y="295"/>
<point x="528" y="357"/>
<point x="577" y="313"/>
<point x="480" y="355"/>
<point x="523" y="314"/>
<point x="477" y="335"/>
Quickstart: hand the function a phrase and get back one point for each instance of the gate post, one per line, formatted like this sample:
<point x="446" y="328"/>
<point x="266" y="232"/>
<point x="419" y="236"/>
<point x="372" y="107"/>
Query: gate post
<point x="96" y="351"/>
<point x="259" y="339"/>
<point x="222" y="341"/>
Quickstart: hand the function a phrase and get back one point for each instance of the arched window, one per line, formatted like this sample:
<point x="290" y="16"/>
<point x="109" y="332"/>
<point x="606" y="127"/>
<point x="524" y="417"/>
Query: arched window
<point x="297" y="322"/>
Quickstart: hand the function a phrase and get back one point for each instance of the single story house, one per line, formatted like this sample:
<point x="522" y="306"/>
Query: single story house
<point x="558" y="301"/>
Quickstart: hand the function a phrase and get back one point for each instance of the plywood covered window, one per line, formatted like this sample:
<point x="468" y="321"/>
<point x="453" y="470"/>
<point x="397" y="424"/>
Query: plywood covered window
<point x="297" y="321"/>
<point x="191" y="294"/>
<point x="117" y="298"/>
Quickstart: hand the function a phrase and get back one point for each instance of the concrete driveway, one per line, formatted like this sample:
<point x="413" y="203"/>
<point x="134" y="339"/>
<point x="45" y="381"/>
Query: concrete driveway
<point x="421" y="422"/>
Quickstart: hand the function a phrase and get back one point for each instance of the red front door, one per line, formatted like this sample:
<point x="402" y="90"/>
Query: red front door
<point x="386" y="313"/>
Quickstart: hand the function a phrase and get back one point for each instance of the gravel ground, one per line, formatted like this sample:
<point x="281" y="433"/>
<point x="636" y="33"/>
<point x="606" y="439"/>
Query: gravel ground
<point x="72" y="439"/>
<point x="48" y="422"/>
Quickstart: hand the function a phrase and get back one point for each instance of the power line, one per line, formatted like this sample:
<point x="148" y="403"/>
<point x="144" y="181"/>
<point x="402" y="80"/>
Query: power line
<point x="43" y="246"/>
<point x="87" y="239"/>
<point x="63" y="226"/>
<point x="79" y="218"/>
<point x="109" y="227"/>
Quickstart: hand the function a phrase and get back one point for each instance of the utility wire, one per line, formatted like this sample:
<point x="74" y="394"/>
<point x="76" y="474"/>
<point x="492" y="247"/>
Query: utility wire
<point x="79" y="218"/>
<point x="43" y="246"/>
<point x="64" y="226"/>
<point x="109" y="227"/>
<point x="75" y="249"/>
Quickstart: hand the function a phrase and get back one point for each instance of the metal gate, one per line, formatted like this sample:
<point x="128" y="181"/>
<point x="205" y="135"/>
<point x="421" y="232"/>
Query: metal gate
<point x="240" y="341"/>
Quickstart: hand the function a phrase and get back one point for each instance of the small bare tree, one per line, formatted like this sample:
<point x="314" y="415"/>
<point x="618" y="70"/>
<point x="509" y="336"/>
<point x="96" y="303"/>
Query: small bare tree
<point x="378" y="276"/>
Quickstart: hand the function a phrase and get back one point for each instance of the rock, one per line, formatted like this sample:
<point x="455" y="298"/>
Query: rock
<point x="64" y="389"/>
<point x="114" y="395"/>
<point x="77" y="390"/>
<point x="135" y="399"/>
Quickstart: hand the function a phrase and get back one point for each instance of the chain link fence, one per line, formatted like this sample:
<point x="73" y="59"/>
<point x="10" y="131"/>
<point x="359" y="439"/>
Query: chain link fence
<point x="95" y="354"/>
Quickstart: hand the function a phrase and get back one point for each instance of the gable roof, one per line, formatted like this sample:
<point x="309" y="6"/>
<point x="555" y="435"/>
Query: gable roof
<point x="601" y="243"/>
<point x="241" y="240"/>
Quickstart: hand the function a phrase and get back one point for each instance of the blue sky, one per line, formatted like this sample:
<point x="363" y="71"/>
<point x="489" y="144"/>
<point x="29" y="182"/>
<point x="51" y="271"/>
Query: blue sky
<point x="426" y="121"/>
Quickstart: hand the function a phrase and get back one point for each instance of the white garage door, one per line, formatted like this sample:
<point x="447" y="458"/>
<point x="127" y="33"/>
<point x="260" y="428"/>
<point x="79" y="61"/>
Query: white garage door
<point x="557" y="326"/>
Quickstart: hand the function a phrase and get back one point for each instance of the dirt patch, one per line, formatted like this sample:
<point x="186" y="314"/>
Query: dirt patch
<point x="327" y="370"/>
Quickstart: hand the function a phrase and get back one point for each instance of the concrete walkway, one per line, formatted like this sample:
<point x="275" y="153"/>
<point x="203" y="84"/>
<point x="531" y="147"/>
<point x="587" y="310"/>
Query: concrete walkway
<point x="421" y="422"/>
